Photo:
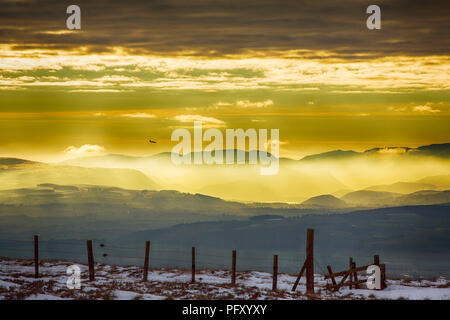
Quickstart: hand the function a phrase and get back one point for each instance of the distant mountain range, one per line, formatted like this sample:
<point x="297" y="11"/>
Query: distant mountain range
<point x="379" y="198"/>
<point x="433" y="150"/>
<point x="231" y="182"/>
<point x="376" y="199"/>
<point x="395" y="170"/>
<point x="407" y="187"/>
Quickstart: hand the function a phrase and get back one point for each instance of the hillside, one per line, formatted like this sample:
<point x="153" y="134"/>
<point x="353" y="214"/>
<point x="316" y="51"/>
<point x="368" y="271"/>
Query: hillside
<point x="78" y="211"/>
<point x="370" y="198"/>
<point x="18" y="173"/>
<point x="404" y="187"/>
<point x="325" y="201"/>
<point x="414" y="239"/>
<point x="71" y="211"/>
<point x="81" y="210"/>
<point x="440" y="180"/>
<point x="425" y="197"/>
<point x="380" y="198"/>
<point x="401" y="223"/>
<point x="9" y="162"/>
<point x="331" y="155"/>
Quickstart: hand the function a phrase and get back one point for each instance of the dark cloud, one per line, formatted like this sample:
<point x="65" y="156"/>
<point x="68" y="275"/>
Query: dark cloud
<point x="219" y="27"/>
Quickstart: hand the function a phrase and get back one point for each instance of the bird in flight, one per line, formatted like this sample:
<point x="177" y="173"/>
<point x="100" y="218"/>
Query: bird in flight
<point x="151" y="141"/>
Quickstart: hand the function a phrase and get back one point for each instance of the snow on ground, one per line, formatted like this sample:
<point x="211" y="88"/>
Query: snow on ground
<point x="125" y="283"/>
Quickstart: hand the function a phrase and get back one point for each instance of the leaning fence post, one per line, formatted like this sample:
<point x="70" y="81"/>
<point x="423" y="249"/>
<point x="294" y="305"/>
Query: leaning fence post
<point x="331" y="275"/>
<point x="294" y="287"/>
<point x="233" y="268"/>
<point x="275" y="272"/>
<point x="147" y="254"/>
<point x="36" y="256"/>
<point x="90" y="260"/>
<point x="193" y="265"/>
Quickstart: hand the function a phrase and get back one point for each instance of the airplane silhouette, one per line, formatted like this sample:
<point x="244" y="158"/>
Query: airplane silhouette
<point x="151" y="141"/>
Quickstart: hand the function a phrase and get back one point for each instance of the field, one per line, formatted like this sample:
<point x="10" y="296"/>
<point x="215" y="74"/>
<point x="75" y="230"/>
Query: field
<point x="125" y="283"/>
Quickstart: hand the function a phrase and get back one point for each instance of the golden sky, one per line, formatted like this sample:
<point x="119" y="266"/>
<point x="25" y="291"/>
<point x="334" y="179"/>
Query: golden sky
<point x="141" y="69"/>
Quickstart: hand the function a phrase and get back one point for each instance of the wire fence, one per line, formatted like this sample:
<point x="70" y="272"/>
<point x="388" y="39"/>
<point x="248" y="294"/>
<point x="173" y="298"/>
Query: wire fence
<point x="179" y="256"/>
<point x="160" y="255"/>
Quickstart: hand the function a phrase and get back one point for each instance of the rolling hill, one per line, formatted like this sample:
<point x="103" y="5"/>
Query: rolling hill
<point x="370" y="198"/>
<point x="404" y="187"/>
<point x="19" y="173"/>
<point x="425" y="197"/>
<point x="440" y="180"/>
<point x="325" y="201"/>
<point x="390" y="199"/>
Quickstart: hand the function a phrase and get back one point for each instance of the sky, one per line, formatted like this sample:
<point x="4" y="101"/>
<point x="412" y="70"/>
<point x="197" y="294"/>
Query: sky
<point x="141" y="69"/>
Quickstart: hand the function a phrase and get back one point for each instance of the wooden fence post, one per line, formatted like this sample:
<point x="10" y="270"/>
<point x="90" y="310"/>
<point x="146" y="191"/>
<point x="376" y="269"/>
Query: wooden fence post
<point x="310" y="261"/>
<point x="355" y="275"/>
<point x="36" y="256"/>
<point x="90" y="260"/>
<point x="147" y="254"/>
<point x="275" y="272"/>
<point x="350" y="265"/>
<point x="383" y="276"/>
<point x="233" y="268"/>
<point x="376" y="259"/>
<point x="193" y="265"/>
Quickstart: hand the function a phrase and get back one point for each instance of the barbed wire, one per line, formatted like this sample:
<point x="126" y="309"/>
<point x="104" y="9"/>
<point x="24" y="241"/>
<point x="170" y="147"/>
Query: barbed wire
<point x="161" y="254"/>
<point x="10" y="240"/>
<point x="320" y="266"/>
<point x="20" y="249"/>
